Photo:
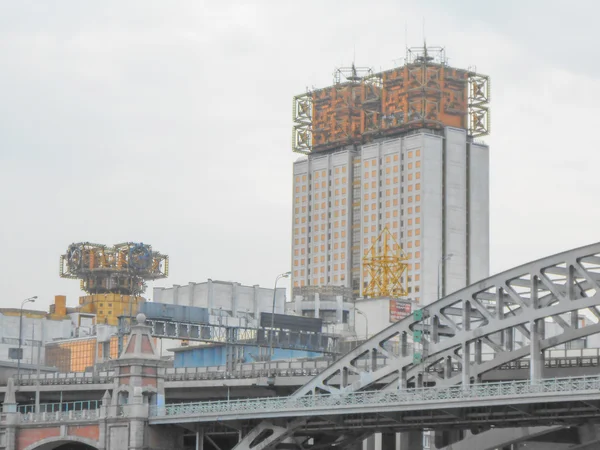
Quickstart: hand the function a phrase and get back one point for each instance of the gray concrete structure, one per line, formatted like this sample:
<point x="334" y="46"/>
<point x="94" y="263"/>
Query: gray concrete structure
<point x="232" y="302"/>
<point x="558" y="288"/>
<point x="38" y="328"/>
<point x="367" y="388"/>
<point x="429" y="189"/>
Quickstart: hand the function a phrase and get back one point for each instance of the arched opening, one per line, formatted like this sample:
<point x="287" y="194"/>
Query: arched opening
<point x="68" y="443"/>
<point x="74" y="446"/>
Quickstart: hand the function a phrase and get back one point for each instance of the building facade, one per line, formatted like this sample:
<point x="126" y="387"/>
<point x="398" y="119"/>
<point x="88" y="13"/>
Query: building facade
<point x="430" y="189"/>
<point x="413" y="169"/>
<point x="228" y="302"/>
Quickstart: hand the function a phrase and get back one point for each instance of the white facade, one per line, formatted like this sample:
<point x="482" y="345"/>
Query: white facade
<point x="224" y="300"/>
<point x="321" y="232"/>
<point x="430" y="189"/>
<point x="36" y="330"/>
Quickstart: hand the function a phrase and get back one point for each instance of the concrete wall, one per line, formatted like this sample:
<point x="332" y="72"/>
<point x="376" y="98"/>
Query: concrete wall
<point x="432" y="218"/>
<point x="223" y="297"/>
<point x="455" y="211"/>
<point x="479" y="213"/>
<point x="321" y="220"/>
<point x="34" y="331"/>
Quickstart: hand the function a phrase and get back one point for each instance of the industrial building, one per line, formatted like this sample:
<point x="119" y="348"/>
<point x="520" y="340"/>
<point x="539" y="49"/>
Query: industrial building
<point x="392" y="172"/>
<point x="37" y="329"/>
<point x="228" y="302"/>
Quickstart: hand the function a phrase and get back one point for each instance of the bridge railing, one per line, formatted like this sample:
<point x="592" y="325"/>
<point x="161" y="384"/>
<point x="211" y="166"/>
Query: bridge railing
<point x="61" y="378"/>
<point x="81" y="405"/>
<point x="60" y="416"/>
<point x="554" y="358"/>
<point x="375" y="398"/>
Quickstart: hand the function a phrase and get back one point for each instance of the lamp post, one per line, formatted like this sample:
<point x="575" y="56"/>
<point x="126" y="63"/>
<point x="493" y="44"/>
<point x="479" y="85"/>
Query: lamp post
<point x="366" y="322"/>
<point x="27" y="300"/>
<point x="283" y="275"/>
<point x="443" y="259"/>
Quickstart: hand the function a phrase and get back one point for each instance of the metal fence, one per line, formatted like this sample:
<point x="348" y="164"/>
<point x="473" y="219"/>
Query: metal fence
<point x="417" y="396"/>
<point x="61" y="416"/>
<point x="83" y="405"/>
<point x="554" y="358"/>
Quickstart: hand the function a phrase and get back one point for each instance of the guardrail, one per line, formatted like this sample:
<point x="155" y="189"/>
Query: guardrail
<point x="61" y="416"/>
<point x="554" y="358"/>
<point x="275" y="406"/>
<point x="82" y="405"/>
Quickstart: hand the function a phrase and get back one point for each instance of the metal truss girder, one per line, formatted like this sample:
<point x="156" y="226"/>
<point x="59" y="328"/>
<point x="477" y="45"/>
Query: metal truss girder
<point x="522" y="285"/>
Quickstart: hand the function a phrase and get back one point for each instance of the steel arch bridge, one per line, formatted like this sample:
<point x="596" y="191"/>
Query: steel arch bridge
<point x="504" y="314"/>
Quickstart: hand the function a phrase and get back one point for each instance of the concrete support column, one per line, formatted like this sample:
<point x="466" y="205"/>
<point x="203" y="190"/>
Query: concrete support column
<point x="9" y="410"/>
<point x="200" y="440"/>
<point x="136" y="434"/>
<point x="411" y="440"/>
<point x="388" y="441"/>
<point x="317" y="304"/>
<point x="369" y="443"/>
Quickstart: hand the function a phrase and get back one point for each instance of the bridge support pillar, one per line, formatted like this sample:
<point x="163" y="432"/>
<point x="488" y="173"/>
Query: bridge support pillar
<point x="388" y="441"/>
<point x="9" y="410"/>
<point x="410" y="440"/>
<point x="369" y="443"/>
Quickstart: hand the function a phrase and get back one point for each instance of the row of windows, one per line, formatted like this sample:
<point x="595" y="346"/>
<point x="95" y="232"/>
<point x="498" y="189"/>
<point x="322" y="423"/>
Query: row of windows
<point x="336" y="245"/>
<point x="320" y="281"/>
<point x="321" y="173"/>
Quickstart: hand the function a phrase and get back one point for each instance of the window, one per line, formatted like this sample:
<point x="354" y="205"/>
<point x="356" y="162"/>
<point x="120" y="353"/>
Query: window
<point x="418" y="152"/>
<point x="418" y="186"/>
<point x="409" y="166"/>
<point x="410" y="154"/>
<point x="418" y="164"/>
<point x="418" y="175"/>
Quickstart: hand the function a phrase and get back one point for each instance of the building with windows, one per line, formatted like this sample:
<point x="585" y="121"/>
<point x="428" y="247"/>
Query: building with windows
<point x="393" y="151"/>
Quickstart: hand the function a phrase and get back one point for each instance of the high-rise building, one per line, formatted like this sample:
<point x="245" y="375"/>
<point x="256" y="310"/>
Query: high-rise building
<point x="393" y="150"/>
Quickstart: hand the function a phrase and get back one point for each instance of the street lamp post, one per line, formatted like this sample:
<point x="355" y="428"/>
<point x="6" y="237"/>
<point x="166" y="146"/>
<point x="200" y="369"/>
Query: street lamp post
<point x="366" y="322"/>
<point x="443" y="259"/>
<point x="27" y="300"/>
<point x="283" y="275"/>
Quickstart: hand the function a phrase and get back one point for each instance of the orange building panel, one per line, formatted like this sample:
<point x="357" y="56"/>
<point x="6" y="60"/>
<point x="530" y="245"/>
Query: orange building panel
<point x="424" y="93"/>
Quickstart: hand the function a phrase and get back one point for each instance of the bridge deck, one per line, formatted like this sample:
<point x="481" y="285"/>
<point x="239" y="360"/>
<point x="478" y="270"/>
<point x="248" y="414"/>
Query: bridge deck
<point x="419" y="402"/>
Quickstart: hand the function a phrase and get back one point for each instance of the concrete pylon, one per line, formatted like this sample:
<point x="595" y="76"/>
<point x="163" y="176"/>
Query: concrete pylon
<point x="11" y="416"/>
<point x="138" y="385"/>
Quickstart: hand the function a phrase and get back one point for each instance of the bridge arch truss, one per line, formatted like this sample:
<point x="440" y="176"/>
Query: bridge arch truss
<point x="505" y="315"/>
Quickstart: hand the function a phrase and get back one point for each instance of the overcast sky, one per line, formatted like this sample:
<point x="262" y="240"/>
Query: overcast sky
<point x="170" y="123"/>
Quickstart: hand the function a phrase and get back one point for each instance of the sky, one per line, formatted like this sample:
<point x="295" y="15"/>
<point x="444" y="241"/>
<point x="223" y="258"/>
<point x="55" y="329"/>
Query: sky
<point x="169" y="123"/>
